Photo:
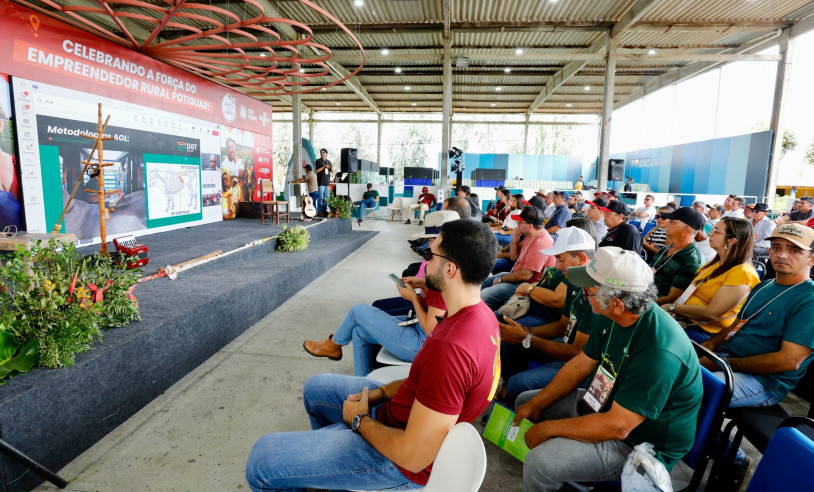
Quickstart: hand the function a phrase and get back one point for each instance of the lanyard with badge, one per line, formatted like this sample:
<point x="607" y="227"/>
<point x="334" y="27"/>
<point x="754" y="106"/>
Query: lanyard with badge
<point x="692" y="287"/>
<point x="572" y="320"/>
<point x="602" y="384"/>
<point x="742" y="322"/>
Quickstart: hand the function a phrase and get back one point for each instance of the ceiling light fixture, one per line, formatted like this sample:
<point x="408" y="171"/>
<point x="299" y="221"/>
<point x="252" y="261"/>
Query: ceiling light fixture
<point x="324" y="88"/>
<point x="498" y="88"/>
<point x="518" y="51"/>
<point x="412" y="104"/>
<point x="385" y="51"/>
<point x="507" y="70"/>
<point x="568" y="105"/>
<point x="359" y="3"/>
<point x="263" y="55"/>
<point x="651" y="51"/>
<point x="587" y="87"/>
<point x="398" y="70"/>
<point x="302" y="70"/>
<point x="407" y="88"/>
<point x="493" y="104"/>
<point x="339" y="104"/>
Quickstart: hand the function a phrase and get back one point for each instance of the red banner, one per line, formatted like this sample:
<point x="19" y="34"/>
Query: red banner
<point x="45" y="49"/>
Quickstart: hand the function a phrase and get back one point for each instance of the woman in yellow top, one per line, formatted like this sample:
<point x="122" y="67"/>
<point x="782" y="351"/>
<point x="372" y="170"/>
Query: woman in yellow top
<point x="718" y="291"/>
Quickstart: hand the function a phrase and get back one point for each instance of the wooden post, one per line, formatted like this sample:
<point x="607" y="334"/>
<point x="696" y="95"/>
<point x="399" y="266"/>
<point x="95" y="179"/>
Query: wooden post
<point x="100" y="177"/>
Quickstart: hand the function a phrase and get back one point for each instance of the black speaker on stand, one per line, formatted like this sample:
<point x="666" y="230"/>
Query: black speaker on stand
<point x="350" y="163"/>
<point x="616" y="169"/>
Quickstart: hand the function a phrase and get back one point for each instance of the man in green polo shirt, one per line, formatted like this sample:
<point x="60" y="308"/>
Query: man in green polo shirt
<point x="674" y="266"/>
<point x="645" y="383"/>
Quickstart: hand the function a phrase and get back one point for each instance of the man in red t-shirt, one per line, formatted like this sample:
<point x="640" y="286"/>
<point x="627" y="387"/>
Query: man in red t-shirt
<point x="369" y="435"/>
<point x="529" y="261"/>
<point x="426" y="201"/>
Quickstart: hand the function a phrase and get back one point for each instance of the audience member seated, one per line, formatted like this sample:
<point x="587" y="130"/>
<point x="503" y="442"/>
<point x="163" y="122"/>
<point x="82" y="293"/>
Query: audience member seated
<point x="595" y="213"/>
<point x="493" y="207"/>
<point x="504" y="234"/>
<point x="718" y="291"/>
<point x="551" y="344"/>
<point x="579" y="203"/>
<point x="675" y="265"/>
<point x="769" y="344"/>
<point x="656" y="238"/>
<point x="647" y="212"/>
<point x="369" y="327"/>
<point x="473" y="200"/>
<point x="426" y="201"/>
<point x="529" y="262"/>
<point x="763" y="227"/>
<point x="714" y="212"/>
<point x="500" y="215"/>
<point x="735" y="207"/>
<point x="550" y="206"/>
<point x="800" y="216"/>
<point x="646" y="384"/>
<point x="367" y="435"/>
<point x="620" y="232"/>
<point x="561" y="213"/>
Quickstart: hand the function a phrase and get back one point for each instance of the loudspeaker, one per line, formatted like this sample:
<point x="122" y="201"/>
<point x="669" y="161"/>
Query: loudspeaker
<point x="418" y="172"/>
<point x="350" y="164"/>
<point x="616" y="169"/>
<point x="489" y="174"/>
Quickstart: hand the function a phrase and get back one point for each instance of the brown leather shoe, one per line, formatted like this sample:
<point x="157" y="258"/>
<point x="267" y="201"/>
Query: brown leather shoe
<point x="326" y="348"/>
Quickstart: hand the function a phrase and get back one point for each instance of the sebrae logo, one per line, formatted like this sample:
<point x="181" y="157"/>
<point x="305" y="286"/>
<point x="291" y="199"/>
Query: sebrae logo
<point x="229" y="107"/>
<point x="243" y="111"/>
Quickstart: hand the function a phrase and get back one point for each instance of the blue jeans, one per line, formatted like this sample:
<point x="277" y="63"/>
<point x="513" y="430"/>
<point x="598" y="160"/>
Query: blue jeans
<point x="315" y="198"/>
<point x="368" y="327"/>
<point x="748" y="391"/>
<point x="322" y="201"/>
<point x="496" y="295"/>
<point x="367" y="203"/>
<point x="329" y="457"/>
<point x="503" y="265"/>
<point x="394" y="306"/>
<point x="503" y="238"/>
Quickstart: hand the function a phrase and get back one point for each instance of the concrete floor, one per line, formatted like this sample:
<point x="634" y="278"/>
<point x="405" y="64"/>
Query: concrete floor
<point x="197" y="435"/>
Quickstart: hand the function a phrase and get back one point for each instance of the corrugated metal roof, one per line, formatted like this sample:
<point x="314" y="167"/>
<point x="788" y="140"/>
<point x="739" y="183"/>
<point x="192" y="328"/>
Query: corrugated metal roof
<point x="552" y="34"/>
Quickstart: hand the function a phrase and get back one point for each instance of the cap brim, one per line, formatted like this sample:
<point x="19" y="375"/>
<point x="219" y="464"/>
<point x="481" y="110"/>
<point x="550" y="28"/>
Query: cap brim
<point x="517" y="217"/>
<point x="798" y="242"/>
<point x="578" y="276"/>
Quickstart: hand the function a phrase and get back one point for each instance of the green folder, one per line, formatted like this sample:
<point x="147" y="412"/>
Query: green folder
<point x="498" y="430"/>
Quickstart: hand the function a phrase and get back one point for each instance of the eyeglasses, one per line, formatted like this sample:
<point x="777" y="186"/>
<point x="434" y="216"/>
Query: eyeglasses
<point x="429" y="254"/>
<point x="586" y="294"/>
<point x="713" y="231"/>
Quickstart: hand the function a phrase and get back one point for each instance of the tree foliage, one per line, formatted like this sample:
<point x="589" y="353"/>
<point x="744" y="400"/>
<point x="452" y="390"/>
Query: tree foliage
<point x="809" y="157"/>
<point x="411" y="151"/>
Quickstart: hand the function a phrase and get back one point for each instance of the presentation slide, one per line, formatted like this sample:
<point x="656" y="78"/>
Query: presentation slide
<point x="164" y="168"/>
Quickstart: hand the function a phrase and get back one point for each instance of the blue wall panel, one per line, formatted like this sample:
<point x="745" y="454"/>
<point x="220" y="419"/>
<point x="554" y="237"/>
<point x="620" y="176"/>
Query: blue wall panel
<point x="759" y="148"/>
<point x="715" y="174"/>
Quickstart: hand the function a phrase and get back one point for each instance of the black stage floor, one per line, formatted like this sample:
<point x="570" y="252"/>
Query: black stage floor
<point x="55" y="415"/>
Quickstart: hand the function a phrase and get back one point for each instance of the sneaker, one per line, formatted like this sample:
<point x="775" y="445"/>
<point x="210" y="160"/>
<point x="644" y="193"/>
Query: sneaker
<point x="740" y="469"/>
<point x="408" y="222"/>
<point x="420" y="222"/>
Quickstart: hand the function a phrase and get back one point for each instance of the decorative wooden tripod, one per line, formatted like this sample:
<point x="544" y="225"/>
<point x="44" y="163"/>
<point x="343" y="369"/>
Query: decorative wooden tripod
<point x="97" y="170"/>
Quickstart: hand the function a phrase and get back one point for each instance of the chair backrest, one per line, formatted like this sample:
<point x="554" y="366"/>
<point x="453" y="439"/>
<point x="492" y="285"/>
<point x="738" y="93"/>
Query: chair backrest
<point x="786" y="464"/>
<point x="266" y="186"/>
<point x="716" y="398"/>
<point x="396" y="203"/>
<point x="647" y="226"/>
<point x="461" y="462"/>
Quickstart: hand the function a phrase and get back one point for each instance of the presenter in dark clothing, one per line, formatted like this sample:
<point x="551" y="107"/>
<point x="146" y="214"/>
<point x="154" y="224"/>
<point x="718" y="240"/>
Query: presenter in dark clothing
<point x="323" y="171"/>
<point x="620" y="232"/>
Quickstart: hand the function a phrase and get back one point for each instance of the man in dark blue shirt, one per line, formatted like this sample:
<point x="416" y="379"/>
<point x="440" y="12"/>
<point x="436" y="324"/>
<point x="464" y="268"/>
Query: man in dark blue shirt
<point x="620" y="232"/>
<point x="561" y="214"/>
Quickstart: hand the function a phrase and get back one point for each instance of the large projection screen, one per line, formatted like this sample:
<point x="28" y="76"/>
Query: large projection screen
<point x="156" y="156"/>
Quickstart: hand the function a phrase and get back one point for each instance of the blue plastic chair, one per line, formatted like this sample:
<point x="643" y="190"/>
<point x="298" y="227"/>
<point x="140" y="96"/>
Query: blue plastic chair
<point x="788" y="460"/>
<point x="647" y="226"/>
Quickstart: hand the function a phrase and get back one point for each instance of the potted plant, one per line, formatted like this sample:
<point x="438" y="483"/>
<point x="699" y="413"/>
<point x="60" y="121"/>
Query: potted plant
<point x="292" y="239"/>
<point x="340" y="206"/>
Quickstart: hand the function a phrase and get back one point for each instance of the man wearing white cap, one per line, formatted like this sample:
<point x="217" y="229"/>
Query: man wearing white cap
<point x="555" y="343"/>
<point x="645" y="383"/>
<point x="368" y="327"/>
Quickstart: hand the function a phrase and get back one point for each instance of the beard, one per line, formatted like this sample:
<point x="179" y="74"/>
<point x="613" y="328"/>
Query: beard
<point x="435" y="281"/>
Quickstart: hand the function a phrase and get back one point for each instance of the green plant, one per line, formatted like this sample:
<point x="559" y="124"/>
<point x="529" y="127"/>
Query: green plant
<point x="61" y="300"/>
<point x="15" y="358"/>
<point x="293" y="239"/>
<point x="340" y="205"/>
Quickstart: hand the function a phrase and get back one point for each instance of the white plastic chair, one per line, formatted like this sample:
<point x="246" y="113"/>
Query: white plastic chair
<point x="461" y="462"/>
<point x="395" y="208"/>
<point x="388" y="374"/>
<point x="386" y="357"/>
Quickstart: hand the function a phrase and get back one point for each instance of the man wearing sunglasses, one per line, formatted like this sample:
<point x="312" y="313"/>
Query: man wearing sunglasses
<point x="530" y="262"/>
<point x="645" y="383"/>
<point x="368" y="435"/>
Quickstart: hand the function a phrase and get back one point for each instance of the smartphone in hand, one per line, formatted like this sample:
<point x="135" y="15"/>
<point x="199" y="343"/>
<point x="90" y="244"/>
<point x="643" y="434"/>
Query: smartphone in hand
<point x="397" y="280"/>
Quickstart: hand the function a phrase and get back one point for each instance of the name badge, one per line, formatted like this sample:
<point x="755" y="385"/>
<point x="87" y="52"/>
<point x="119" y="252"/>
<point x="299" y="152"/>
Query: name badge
<point x="599" y="390"/>
<point x="572" y="322"/>
<point x="735" y="330"/>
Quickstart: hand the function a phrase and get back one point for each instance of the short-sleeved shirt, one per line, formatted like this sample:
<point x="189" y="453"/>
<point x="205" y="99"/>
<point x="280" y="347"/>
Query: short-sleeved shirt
<point x="433" y="299"/>
<point x="311" y="182"/>
<point x="660" y="379"/>
<point x="323" y="176"/>
<point x="763" y="229"/>
<point x="370" y="194"/>
<point x="426" y="198"/>
<point x="706" y="288"/>
<point x="797" y="215"/>
<point x="657" y="237"/>
<point x="456" y="372"/>
<point x="738" y="214"/>
<point x="560" y="216"/>
<point x="530" y="257"/>
<point x="552" y="278"/>
<point x="650" y="211"/>
<point x="581" y="309"/>
<point x="790" y="318"/>
<point x="678" y="270"/>
<point x="549" y="211"/>
<point x="624" y="236"/>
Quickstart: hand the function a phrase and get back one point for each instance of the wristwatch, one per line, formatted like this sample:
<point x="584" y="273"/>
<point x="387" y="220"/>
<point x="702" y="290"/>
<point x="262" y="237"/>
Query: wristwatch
<point x="527" y="341"/>
<point x="672" y="308"/>
<point x="354" y="425"/>
<point x="530" y="288"/>
<point x="499" y="279"/>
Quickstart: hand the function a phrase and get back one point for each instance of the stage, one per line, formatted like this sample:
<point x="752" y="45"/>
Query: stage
<point x="54" y="415"/>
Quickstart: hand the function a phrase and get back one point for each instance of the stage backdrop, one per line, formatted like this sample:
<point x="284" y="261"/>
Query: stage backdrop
<point x="732" y="165"/>
<point x="529" y="167"/>
<point x="147" y="99"/>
